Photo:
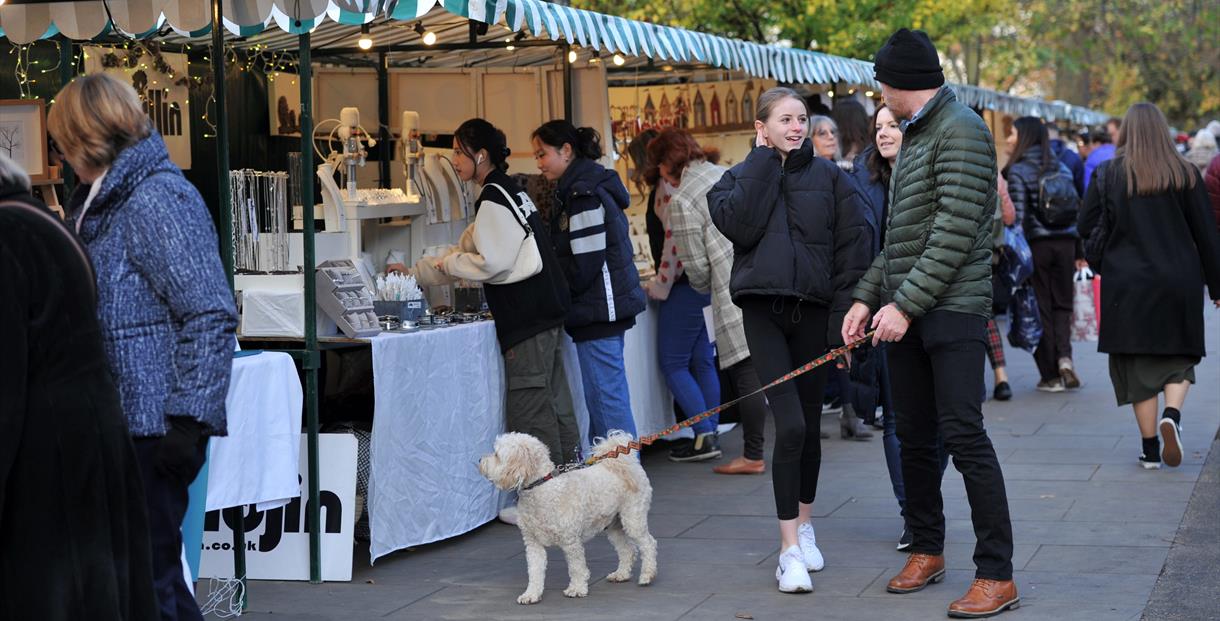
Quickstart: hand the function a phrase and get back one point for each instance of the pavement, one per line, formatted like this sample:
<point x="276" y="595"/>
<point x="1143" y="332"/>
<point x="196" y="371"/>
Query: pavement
<point x="1096" y="537"/>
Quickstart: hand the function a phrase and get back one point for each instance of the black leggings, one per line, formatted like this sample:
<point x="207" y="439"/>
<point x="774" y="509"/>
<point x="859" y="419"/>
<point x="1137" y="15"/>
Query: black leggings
<point x="784" y="333"/>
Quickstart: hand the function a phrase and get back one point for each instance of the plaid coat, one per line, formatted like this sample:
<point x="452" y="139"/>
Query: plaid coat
<point x="707" y="256"/>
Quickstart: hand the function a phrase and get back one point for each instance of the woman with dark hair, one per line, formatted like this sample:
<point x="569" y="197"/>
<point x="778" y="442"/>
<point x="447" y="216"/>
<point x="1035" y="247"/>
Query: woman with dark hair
<point x="1159" y="244"/>
<point x="528" y="300"/>
<point x="73" y="527"/>
<point x="591" y="239"/>
<point x="853" y="123"/>
<point x="1033" y="174"/>
<point x="800" y="245"/>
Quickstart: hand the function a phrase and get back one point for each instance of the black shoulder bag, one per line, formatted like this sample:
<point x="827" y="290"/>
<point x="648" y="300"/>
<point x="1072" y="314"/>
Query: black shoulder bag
<point x="1095" y="245"/>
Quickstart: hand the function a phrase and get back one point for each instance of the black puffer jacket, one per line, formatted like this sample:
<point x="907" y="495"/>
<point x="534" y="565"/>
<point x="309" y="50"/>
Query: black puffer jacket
<point x="797" y="228"/>
<point x="1023" y="187"/>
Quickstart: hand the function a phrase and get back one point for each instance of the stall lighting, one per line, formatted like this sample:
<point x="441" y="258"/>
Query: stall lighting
<point x="868" y="93"/>
<point x="667" y="68"/>
<point x="510" y="47"/>
<point x="428" y="35"/>
<point x="830" y="94"/>
<point x="595" y="58"/>
<point x="851" y="92"/>
<point x="366" y="41"/>
<point x="571" y="56"/>
<point x="619" y="61"/>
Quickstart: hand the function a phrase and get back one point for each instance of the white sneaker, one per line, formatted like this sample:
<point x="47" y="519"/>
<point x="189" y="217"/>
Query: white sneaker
<point x="809" y="547"/>
<point x="508" y="515"/>
<point x="791" y="573"/>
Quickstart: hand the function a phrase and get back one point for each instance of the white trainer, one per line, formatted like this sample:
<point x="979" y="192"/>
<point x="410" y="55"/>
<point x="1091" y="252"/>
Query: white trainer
<point x="791" y="573"/>
<point x="809" y="548"/>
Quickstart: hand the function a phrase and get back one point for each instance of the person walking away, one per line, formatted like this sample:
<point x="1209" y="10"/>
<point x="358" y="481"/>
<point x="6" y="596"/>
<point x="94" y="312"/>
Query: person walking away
<point x="930" y="290"/>
<point x="1150" y="209"/>
<point x="590" y="234"/>
<point x="1102" y="150"/>
<point x="686" y="352"/>
<point x="799" y="243"/>
<point x="73" y="527"/>
<point x="164" y="303"/>
<point x="1046" y="206"/>
<point x="1202" y="149"/>
<point x="1068" y="157"/>
<point x="1212" y="181"/>
<point x="707" y="257"/>
<point x="525" y="290"/>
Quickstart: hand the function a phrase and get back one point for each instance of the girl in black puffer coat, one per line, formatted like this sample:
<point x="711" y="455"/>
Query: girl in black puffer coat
<point x="1056" y="250"/>
<point x="800" y="245"/>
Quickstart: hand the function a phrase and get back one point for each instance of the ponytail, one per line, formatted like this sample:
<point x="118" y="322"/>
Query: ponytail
<point x="477" y="134"/>
<point x="585" y="141"/>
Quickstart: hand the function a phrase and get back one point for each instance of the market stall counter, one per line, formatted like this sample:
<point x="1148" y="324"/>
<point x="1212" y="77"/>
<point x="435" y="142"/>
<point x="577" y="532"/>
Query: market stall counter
<point x="439" y="404"/>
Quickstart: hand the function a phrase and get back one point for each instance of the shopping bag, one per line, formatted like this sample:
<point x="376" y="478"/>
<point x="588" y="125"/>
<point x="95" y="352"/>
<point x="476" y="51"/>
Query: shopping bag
<point x="1084" y="316"/>
<point x="1097" y="300"/>
<point x="1018" y="258"/>
<point x="1024" y="324"/>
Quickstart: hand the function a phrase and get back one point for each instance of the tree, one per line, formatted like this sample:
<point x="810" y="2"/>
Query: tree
<point x="10" y="138"/>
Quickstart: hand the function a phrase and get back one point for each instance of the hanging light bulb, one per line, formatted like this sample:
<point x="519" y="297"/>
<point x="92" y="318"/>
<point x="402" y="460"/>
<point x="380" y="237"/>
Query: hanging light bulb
<point x="428" y="35"/>
<point x="619" y="61"/>
<point x="510" y="46"/>
<point x="868" y="94"/>
<point x="366" y="41"/>
<point x="571" y="56"/>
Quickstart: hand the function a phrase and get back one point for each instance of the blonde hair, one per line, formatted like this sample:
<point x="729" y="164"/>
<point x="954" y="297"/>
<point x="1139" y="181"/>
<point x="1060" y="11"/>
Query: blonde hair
<point x="95" y="117"/>
<point x="1150" y="161"/>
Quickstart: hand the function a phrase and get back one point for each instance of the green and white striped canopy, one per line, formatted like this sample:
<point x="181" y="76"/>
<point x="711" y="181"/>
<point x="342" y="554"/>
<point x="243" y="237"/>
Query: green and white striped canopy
<point x="87" y="19"/>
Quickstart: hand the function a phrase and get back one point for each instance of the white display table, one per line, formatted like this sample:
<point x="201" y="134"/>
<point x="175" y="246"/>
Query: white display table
<point x="439" y="404"/>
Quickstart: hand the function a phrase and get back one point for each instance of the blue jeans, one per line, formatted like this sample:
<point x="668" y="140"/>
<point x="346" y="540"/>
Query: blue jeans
<point x="605" y="382"/>
<point x="687" y="358"/>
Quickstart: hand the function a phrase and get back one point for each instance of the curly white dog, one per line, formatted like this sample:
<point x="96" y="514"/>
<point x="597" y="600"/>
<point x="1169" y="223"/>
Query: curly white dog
<point x="566" y="510"/>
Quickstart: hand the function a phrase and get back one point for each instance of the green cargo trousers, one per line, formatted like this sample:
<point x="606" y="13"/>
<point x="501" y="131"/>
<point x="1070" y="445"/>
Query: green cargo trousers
<point x="539" y="402"/>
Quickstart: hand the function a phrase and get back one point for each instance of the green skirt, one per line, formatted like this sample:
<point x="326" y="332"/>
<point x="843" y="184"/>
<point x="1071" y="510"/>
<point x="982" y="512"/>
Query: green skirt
<point x="1139" y="377"/>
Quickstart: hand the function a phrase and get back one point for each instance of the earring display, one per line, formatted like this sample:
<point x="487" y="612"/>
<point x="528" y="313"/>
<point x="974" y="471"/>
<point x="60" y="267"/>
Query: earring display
<point x="346" y="299"/>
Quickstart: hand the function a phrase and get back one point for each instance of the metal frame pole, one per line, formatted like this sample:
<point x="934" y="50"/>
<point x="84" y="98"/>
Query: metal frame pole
<point x="383" y="118"/>
<point x="225" y="215"/>
<point x="567" y="84"/>
<point x="313" y="512"/>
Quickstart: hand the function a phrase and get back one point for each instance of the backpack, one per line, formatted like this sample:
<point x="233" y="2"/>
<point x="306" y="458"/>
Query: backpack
<point x="1058" y="202"/>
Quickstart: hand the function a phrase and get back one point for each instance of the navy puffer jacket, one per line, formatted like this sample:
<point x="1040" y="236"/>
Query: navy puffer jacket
<point x="593" y="244"/>
<point x="797" y="227"/>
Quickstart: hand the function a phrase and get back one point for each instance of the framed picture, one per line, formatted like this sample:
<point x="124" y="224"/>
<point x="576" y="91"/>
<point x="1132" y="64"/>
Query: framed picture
<point x="23" y="135"/>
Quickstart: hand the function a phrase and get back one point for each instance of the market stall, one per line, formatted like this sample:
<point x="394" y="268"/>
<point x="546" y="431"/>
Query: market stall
<point x="516" y="62"/>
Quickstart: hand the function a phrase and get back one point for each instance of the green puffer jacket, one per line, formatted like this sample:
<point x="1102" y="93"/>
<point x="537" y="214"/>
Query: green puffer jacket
<point x="937" y="251"/>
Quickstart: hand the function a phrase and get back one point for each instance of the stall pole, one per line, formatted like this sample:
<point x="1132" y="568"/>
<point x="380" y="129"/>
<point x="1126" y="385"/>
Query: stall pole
<point x="67" y="71"/>
<point x="224" y="215"/>
<point x="567" y="83"/>
<point x="383" y="118"/>
<point x="309" y="364"/>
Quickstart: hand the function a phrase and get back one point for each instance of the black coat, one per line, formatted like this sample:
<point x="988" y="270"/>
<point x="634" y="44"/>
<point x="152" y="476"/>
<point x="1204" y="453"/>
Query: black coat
<point x="1023" y="188"/>
<point x="73" y="532"/>
<point x="1159" y="252"/>
<point x="797" y="227"/>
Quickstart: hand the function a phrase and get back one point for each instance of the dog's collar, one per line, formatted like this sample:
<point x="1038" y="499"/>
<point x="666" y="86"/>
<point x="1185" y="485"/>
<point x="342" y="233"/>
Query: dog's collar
<point x="550" y="475"/>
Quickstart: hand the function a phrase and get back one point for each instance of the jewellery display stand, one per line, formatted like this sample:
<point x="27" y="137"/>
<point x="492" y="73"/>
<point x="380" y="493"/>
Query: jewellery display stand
<point x="344" y="297"/>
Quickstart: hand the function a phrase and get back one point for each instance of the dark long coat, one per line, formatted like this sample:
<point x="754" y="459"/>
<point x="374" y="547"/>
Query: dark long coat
<point x="73" y="530"/>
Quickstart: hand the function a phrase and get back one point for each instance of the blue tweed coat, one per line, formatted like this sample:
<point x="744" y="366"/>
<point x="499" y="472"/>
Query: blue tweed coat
<point x="166" y="310"/>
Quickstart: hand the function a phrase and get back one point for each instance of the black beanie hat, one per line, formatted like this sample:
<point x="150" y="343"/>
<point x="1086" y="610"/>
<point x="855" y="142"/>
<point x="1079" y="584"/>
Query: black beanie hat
<point x="908" y="61"/>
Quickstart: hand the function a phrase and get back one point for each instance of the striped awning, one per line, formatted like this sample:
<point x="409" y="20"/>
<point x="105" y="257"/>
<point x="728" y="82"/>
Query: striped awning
<point x="609" y="34"/>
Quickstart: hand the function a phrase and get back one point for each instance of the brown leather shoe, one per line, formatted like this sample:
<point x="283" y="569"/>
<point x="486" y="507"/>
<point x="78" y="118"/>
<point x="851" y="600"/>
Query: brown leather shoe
<point x="986" y="598"/>
<point x="920" y="571"/>
<point x="741" y="465"/>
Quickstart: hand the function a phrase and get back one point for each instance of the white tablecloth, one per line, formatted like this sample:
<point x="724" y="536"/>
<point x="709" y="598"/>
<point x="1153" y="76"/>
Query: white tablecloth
<point x="438" y="406"/>
<point x="256" y="464"/>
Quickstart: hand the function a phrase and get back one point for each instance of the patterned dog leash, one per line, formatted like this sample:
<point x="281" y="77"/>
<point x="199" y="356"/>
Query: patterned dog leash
<point x="636" y="445"/>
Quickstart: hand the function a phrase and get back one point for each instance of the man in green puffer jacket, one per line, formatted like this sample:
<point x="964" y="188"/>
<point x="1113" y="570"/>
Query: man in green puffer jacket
<point x="931" y="290"/>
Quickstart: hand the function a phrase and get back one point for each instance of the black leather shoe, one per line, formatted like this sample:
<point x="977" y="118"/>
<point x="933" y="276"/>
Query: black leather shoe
<point x="1003" y="392"/>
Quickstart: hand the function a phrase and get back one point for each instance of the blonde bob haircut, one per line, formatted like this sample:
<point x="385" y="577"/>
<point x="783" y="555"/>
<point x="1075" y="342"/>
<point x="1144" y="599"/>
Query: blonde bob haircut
<point x="94" y="118"/>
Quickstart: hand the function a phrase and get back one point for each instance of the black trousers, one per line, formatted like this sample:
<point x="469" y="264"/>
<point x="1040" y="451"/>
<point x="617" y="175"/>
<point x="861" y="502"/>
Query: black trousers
<point x="1054" y="267"/>
<point x="744" y="378"/>
<point x="783" y="334"/>
<point x="936" y="372"/>
<point x="167" y="501"/>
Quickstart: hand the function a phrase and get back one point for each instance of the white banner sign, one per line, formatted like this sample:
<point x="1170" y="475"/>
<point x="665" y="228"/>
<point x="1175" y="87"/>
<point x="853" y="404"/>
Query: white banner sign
<point x="277" y="541"/>
<point x="160" y="79"/>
